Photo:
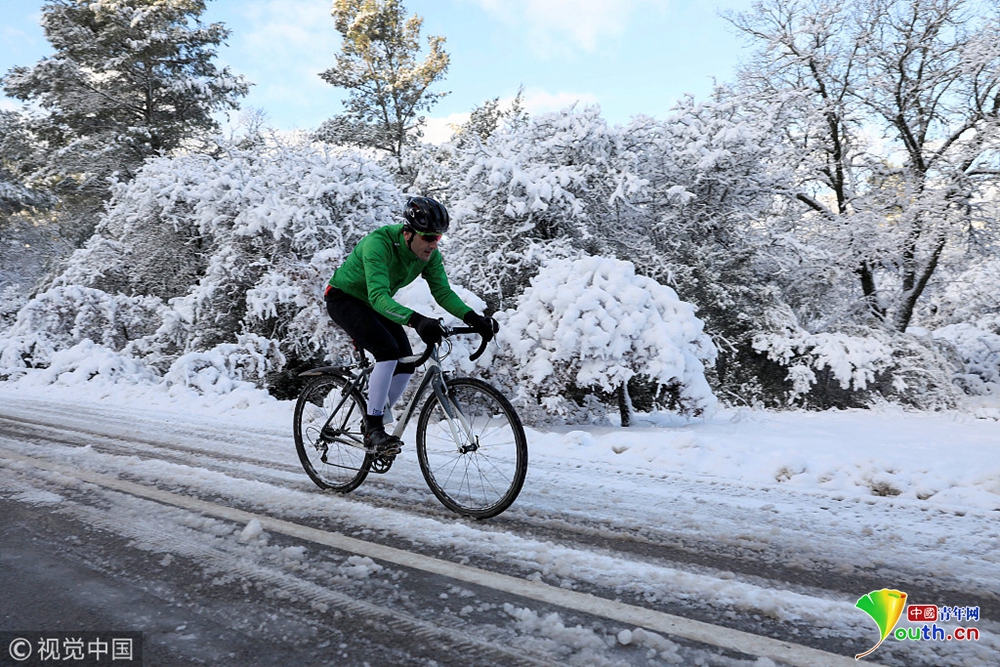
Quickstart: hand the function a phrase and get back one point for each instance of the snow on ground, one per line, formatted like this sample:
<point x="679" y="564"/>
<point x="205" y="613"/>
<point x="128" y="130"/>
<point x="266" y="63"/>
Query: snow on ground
<point x="947" y="459"/>
<point x="826" y="484"/>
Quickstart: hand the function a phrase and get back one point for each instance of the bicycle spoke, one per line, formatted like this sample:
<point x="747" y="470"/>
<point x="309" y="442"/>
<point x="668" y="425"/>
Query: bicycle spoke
<point x="328" y="434"/>
<point x="477" y="467"/>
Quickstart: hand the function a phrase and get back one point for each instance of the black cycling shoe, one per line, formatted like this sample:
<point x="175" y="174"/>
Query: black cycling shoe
<point x="377" y="441"/>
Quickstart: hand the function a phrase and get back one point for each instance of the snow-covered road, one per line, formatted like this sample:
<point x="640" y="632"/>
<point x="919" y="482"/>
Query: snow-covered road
<point x="765" y="525"/>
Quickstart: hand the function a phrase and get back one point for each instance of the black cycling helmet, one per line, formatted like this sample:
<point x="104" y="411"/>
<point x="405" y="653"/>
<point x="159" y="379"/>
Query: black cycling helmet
<point x="425" y="216"/>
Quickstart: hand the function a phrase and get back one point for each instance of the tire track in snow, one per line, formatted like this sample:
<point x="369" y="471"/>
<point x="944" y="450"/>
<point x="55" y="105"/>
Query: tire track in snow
<point x="573" y="530"/>
<point x="697" y="631"/>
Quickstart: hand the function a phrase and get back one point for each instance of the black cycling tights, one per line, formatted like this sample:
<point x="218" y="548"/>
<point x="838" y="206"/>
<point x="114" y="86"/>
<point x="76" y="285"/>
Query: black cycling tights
<point x="385" y="339"/>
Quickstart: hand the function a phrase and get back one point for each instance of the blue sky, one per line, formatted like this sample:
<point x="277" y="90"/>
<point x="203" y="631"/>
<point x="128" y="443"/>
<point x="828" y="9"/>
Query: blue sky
<point x="629" y="56"/>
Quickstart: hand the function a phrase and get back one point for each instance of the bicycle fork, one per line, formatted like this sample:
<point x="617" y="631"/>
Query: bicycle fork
<point x="461" y="429"/>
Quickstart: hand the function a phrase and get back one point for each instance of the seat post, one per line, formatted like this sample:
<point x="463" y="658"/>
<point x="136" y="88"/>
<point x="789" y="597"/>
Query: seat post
<point x="359" y="353"/>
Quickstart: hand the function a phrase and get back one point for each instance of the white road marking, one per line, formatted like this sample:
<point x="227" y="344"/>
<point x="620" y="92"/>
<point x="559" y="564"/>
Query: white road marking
<point x="657" y="621"/>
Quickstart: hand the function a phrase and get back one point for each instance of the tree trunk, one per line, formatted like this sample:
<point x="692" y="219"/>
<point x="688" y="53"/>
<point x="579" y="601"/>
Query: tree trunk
<point x="624" y="405"/>
<point x="911" y="295"/>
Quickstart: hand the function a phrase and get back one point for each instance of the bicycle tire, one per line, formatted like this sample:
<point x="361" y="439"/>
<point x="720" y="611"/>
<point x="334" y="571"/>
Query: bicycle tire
<point x="484" y="480"/>
<point x="338" y="462"/>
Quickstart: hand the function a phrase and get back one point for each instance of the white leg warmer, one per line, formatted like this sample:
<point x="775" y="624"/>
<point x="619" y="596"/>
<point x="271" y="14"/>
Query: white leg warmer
<point x="398" y="386"/>
<point x="378" y="386"/>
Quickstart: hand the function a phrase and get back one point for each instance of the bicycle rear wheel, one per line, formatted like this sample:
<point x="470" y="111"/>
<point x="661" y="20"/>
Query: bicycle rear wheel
<point x="475" y="462"/>
<point x="334" y="456"/>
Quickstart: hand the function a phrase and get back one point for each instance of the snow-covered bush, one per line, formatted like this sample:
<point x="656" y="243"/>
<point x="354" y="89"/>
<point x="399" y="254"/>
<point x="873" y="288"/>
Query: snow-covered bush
<point x="12" y="299"/>
<point x="237" y="243"/>
<point x="64" y="316"/>
<point x="528" y="195"/>
<point x="679" y="198"/>
<point x="227" y="366"/>
<point x="87" y="362"/>
<point x="853" y="361"/>
<point x="697" y="227"/>
<point x="200" y="250"/>
<point x="21" y="352"/>
<point x="966" y="292"/>
<point x="837" y="369"/>
<point x="922" y="377"/>
<point x="587" y="327"/>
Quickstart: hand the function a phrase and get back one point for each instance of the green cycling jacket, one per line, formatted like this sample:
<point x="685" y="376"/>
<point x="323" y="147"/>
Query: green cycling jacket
<point x="382" y="264"/>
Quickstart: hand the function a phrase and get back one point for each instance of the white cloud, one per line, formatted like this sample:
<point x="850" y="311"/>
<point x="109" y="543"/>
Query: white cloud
<point x="299" y="26"/>
<point x="282" y="46"/>
<point x="287" y="35"/>
<point x="560" y="27"/>
<point x="439" y="130"/>
<point x="536" y="100"/>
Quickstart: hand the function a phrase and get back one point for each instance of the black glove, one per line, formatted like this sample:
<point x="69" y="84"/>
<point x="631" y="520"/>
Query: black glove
<point x="484" y="326"/>
<point x="429" y="330"/>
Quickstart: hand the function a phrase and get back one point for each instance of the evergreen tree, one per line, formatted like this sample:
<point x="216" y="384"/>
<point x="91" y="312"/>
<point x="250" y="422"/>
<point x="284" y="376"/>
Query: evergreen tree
<point x="129" y="79"/>
<point x="489" y="117"/>
<point x="387" y="87"/>
<point x="15" y="147"/>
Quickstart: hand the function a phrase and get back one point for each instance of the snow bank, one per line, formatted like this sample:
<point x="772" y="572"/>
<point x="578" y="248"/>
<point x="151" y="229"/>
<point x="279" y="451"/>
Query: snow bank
<point x="978" y="348"/>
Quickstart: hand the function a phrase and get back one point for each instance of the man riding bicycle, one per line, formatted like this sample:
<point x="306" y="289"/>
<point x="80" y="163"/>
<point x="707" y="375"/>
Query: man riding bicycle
<point x="359" y="298"/>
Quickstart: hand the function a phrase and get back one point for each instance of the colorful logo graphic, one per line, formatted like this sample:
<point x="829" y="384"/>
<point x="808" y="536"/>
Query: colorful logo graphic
<point x="920" y="624"/>
<point x="885" y="607"/>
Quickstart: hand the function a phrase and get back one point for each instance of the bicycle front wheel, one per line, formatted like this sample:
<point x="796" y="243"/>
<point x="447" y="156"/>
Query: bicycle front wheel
<point x="328" y="437"/>
<point x="472" y="451"/>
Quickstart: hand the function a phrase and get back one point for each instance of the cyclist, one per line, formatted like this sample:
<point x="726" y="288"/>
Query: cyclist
<point x="359" y="298"/>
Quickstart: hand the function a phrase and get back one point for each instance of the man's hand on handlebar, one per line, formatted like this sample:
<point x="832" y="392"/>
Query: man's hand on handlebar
<point x="416" y="322"/>
<point x="430" y="330"/>
<point x="486" y="327"/>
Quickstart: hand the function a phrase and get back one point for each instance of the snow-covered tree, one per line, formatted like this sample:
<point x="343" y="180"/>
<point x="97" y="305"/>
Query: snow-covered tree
<point x="15" y="197"/>
<point x="65" y="316"/>
<point x="128" y="79"/>
<point x="857" y="368"/>
<point x="702" y="185"/>
<point x="586" y="328"/>
<point x="528" y="194"/>
<point x="892" y="119"/>
<point x="489" y="117"/>
<point x="681" y="198"/>
<point x="378" y="66"/>
<point x="15" y="194"/>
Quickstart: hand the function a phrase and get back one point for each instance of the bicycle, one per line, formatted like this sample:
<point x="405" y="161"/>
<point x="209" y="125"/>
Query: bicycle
<point x="470" y="442"/>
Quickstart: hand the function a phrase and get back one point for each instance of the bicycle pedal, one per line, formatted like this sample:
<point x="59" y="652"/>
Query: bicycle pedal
<point x="388" y="451"/>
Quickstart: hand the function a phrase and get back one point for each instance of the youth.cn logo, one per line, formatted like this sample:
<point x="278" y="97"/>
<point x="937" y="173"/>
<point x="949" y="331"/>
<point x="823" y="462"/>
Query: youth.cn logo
<point x="886" y="608"/>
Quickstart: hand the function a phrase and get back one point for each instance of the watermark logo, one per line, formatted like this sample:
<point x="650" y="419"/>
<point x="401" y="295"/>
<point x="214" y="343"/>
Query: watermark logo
<point x="886" y="607"/>
<point x="70" y="649"/>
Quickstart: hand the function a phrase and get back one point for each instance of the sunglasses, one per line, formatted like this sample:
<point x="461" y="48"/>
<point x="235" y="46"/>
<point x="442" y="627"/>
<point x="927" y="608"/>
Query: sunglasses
<point x="430" y="238"/>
